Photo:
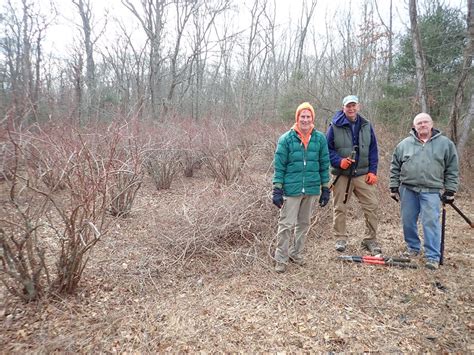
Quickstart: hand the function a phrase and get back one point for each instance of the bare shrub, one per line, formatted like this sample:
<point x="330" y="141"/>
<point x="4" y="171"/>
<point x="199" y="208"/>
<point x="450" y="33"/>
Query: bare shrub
<point x="225" y="165"/>
<point x="46" y="235"/>
<point x="127" y="177"/>
<point x="190" y="133"/>
<point x="47" y="162"/>
<point x="224" y="156"/>
<point x="123" y="191"/>
<point x="22" y="257"/>
<point x="190" y="160"/>
<point x="6" y="161"/>
<point x="221" y="222"/>
<point x="162" y="166"/>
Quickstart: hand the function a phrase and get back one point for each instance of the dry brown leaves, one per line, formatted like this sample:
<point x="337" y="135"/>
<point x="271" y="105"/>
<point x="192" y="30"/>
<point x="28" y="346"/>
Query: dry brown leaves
<point x="191" y="270"/>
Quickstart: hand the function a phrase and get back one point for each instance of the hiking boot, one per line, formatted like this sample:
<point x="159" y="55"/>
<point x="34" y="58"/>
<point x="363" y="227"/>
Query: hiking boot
<point x="371" y="245"/>
<point x="298" y="261"/>
<point x="410" y="253"/>
<point x="341" y="245"/>
<point x="280" y="267"/>
<point x="432" y="264"/>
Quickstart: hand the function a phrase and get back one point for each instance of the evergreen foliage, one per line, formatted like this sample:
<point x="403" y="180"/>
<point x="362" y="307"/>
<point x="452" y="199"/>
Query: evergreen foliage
<point x="443" y="36"/>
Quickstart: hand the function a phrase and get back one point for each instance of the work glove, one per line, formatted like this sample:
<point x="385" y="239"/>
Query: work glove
<point x="371" y="179"/>
<point x="346" y="163"/>
<point x="277" y="197"/>
<point x="325" y="196"/>
<point x="394" y="193"/>
<point x="447" y="197"/>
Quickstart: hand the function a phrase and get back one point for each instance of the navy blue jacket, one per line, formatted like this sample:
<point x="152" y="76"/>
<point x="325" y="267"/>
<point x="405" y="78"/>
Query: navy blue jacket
<point x="340" y="120"/>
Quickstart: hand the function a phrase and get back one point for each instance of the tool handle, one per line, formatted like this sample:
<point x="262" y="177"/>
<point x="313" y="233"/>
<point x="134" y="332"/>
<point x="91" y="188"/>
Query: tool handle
<point x="351" y="172"/>
<point x="405" y="265"/>
<point x="443" y="234"/>
<point x="334" y="182"/>
<point x="462" y="214"/>
<point x="387" y="258"/>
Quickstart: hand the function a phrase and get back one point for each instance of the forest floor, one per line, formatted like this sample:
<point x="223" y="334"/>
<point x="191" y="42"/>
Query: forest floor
<point x="138" y="295"/>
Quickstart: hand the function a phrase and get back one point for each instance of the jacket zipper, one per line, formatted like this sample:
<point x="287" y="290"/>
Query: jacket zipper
<point x="304" y="167"/>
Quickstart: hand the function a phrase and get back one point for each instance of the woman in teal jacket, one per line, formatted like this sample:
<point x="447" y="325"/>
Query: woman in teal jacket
<point x="301" y="165"/>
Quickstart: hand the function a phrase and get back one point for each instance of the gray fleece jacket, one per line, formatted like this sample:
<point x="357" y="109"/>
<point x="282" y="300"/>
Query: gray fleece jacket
<point x="425" y="167"/>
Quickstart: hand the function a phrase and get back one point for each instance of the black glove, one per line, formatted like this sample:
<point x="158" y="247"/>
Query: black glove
<point x="447" y="197"/>
<point x="277" y="197"/>
<point x="325" y="196"/>
<point x="394" y="193"/>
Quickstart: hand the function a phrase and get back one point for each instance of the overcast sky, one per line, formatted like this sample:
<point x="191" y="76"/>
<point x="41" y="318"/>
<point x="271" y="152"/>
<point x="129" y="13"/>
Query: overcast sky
<point x="62" y="34"/>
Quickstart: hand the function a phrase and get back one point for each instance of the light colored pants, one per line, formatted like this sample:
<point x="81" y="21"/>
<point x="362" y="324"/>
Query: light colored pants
<point x="426" y="205"/>
<point x="367" y="196"/>
<point x="295" y="218"/>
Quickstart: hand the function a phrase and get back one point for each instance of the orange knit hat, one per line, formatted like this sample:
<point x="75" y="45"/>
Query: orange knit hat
<point x="304" y="106"/>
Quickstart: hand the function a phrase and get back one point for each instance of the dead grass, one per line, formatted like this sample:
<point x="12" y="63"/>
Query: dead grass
<point x="151" y="287"/>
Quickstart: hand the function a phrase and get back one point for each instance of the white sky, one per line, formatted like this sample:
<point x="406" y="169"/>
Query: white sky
<point x="62" y="35"/>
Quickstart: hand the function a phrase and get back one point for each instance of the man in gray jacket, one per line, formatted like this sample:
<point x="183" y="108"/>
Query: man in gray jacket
<point x="424" y="164"/>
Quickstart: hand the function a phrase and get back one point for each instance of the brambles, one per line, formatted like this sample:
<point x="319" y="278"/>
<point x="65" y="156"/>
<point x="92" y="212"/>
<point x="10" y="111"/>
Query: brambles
<point x="123" y="192"/>
<point x="46" y="233"/>
<point x="163" y="166"/>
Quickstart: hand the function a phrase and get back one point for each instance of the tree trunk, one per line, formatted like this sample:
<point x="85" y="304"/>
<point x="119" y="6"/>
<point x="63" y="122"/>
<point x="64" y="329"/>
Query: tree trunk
<point x="85" y="12"/>
<point x="389" y="30"/>
<point x="304" y="30"/>
<point x="466" y="129"/>
<point x="466" y="69"/>
<point x="420" y="62"/>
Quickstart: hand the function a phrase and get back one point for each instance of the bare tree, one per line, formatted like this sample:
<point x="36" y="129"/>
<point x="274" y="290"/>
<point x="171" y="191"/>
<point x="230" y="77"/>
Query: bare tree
<point x="420" y="62"/>
<point x="466" y="128"/>
<point x="183" y="14"/>
<point x="84" y="8"/>
<point x="252" y="50"/>
<point x="270" y="38"/>
<point x="305" y="20"/>
<point x="389" y="29"/>
<point x="137" y="73"/>
<point x="21" y="44"/>
<point x="75" y="76"/>
<point x="203" y="19"/>
<point x="153" y="22"/>
<point x="465" y="74"/>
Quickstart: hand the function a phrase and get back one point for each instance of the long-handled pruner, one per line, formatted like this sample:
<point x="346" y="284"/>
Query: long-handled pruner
<point x="462" y="215"/>
<point x="352" y="168"/>
<point x="443" y="229"/>
<point x="331" y="187"/>
<point x="379" y="260"/>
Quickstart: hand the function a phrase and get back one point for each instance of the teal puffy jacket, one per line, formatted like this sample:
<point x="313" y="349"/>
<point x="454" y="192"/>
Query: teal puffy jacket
<point x="299" y="170"/>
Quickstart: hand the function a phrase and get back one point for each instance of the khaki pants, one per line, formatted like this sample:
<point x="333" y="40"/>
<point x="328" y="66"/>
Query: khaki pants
<point x="367" y="196"/>
<point x="295" y="217"/>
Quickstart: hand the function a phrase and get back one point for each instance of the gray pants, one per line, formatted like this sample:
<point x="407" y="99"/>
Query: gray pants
<point x="295" y="217"/>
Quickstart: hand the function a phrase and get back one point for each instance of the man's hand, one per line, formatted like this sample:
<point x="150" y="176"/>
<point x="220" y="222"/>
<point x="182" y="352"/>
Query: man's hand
<point x="447" y="197"/>
<point x="346" y="163"/>
<point x="277" y="197"/>
<point x="394" y="193"/>
<point x="325" y="196"/>
<point x="371" y="179"/>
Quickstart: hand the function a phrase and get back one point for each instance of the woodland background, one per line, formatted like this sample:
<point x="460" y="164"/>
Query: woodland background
<point x="136" y="165"/>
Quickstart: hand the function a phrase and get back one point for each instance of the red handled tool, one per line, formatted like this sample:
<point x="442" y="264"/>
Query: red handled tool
<point x="379" y="260"/>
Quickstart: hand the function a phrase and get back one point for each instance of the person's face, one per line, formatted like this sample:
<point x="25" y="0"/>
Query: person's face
<point x="351" y="110"/>
<point x="423" y="126"/>
<point x="305" y="120"/>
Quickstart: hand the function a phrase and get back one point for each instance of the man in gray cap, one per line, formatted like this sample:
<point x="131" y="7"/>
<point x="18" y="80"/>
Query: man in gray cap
<point x="353" y="153"/>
